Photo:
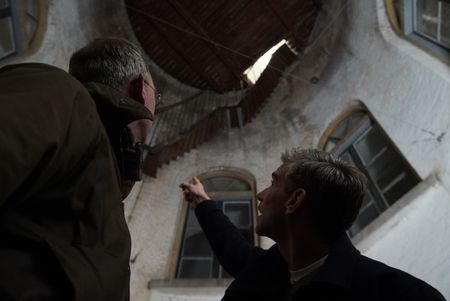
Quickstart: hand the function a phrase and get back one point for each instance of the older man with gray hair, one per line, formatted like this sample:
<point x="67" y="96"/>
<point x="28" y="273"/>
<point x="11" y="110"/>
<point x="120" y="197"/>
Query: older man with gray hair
<point x="71" y="151"/>
<point x="107" y="65"/>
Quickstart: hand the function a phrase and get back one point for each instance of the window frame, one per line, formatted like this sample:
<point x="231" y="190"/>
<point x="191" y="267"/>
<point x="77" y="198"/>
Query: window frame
<point x="24" y="45"/>
<point x="234" y="172"/>
<point x="420" y="38"/>
<point x="11" y="12"/>
<point x="352" y="137"/>
<point x="221" y="202"/>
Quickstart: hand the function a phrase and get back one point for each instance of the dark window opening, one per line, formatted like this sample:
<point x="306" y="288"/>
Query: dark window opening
<point x="361" y="141"/>
<point x="196" y="259"/>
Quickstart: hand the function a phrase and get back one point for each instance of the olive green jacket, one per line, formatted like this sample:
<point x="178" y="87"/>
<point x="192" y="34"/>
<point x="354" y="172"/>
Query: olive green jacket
<point x="61" y="213"/>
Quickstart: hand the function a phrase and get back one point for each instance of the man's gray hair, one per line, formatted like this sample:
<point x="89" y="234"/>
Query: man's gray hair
<point x="110" y="61"/>
<point x="334" y="188"/>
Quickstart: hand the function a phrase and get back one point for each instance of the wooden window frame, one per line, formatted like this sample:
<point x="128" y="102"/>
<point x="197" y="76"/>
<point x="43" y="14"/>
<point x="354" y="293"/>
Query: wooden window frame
<point x="24" y="46"/>
<point x="233" y="172"/>
<point x="10" y="12"/>
<point x="351" y="138"/>
<point x="419" y="37"/>
<point x="408" y="33"/>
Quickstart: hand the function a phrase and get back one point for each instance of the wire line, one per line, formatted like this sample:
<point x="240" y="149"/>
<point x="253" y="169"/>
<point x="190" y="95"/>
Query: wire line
<point x="206" y="39"/>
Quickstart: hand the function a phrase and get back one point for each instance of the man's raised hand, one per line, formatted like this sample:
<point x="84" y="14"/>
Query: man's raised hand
<point x="194" y="192"/>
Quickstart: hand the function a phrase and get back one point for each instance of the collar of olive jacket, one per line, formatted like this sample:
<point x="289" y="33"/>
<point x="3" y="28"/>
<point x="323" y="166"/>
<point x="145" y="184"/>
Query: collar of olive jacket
<point x="115" y="109"/>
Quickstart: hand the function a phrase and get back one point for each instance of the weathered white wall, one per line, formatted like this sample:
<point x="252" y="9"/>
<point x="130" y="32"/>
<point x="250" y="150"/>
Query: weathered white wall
<point x="407" y="91"/>
<point x="187" y="294"/>
<point x="413" y="235"/>
<point x="72" y="24"/>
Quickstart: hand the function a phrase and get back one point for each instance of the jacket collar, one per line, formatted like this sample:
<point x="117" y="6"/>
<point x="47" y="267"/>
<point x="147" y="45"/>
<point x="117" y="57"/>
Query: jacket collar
<point x="267" y="275"/>
<point x="115" y="109"/>
<point x="339" y="266"/>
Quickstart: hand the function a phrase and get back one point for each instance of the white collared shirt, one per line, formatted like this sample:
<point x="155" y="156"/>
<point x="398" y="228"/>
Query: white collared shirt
<point x="299" y="274"/>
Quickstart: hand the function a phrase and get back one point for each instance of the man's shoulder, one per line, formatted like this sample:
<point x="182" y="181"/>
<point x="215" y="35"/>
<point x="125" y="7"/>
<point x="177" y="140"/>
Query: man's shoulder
<point x="374" y="268"/>
<point x="266" y="277"/>
<point x="38" y="79"/>
<point x="32" y="67"/>
<point x="370" y="272"/>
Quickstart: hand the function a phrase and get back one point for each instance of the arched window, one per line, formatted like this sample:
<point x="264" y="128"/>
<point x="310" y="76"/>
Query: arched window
<point x="357" y="138"/>
<point x="19" y="21"/>
<point x="235" y="196"/>
<point x="424" y="22"/>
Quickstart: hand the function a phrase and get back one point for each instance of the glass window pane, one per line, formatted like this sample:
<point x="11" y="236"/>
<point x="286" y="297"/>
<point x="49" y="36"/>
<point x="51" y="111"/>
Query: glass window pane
<point x="195" y="268"/>
<point x="347" y="157"/>
<point x="191" y="218"/>
<point x="389" y="175"/>
<point x="225" y="184"/>
<point x="385" y="168"/>
<point x="368" y="200"/>
<point x="330" y="144"/>
<point x="238" y="213"/>
<point x="400" y="7"/>
<point x="31" y="20"/>
<point x="7" y="45"/>
<point x="371" y="145"/>
<point x="340" y="131"/>
<point x="4" y="4"/>
<point x="344" y="128"/>
<point x="32" y="8"/>
<point x="218" y="271"/>
<point x="235" y="197"/>
<point x="245" y="196"/>
<point x="224" y="274"/>
<point x="354" y="120"/>
<point x="238" y="185"/>
<point x="364" y="218"/>
<point x="30" y="29"/>
<point x="445" y="24"/>
<point x="426" y="18"/>
<point x="196" y="244"/>
<point x="401" y="185"/>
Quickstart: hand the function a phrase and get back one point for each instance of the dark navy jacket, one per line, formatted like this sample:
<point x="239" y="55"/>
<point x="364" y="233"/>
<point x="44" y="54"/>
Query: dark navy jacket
<point x="263" y="274"/>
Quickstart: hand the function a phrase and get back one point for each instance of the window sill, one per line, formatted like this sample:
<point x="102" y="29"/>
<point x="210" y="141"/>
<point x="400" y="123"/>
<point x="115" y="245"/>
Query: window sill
<point x="184" y="283"/>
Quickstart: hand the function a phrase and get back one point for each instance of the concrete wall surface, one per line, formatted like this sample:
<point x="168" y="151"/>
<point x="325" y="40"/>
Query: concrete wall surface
<point x="187" y="294"/>
<point x="413" y="235"/>
<point x="72" y="24"/>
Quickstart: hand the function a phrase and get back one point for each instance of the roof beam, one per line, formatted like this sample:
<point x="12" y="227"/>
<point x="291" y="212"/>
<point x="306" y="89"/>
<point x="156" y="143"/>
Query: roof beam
<point x="277" y="10"/>
<point x="179" y="8"/>
<point x="177" y="48"/>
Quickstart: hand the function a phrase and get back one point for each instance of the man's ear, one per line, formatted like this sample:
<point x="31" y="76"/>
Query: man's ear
<point x="295" y="201"/>
<point x="136" y="89"/>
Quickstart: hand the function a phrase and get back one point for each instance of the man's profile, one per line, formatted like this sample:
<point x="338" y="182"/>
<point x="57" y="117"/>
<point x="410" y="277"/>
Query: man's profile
<point x="312" y="200"/>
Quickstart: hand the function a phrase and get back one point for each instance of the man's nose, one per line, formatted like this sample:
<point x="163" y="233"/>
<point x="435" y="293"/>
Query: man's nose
<point x="260" y="195"/>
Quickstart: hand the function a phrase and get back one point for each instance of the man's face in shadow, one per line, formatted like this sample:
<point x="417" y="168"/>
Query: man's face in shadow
<point x="272" y="201"/>
<point x="142" y="90"/>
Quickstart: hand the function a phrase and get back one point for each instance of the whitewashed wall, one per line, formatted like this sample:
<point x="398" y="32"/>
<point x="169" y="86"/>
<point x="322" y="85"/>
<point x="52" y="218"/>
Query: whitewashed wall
<point x="72" y="24"/>
<point x="413" y="235"/>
